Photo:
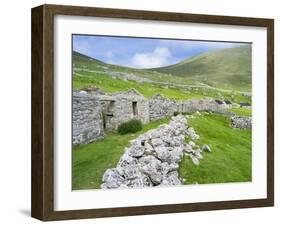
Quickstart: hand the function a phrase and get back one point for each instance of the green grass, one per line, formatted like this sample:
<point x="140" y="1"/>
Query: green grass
<point x="95" y="73"/>
<point x="241" y="111"/>
<point x="92" y="160"/>
<point x="228" y="68"/>
<point x="110" y="85"/>
<point x="105" y="82"/>
<point x="230" y="159"/>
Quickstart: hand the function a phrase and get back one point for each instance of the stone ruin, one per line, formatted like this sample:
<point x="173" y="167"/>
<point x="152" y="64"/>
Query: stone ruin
<point x="95" y="111"/>
<point x="161" y="107"/>
<point x="87" y="123"/>
<point x="207" y="104"/>
<point x="153" y="158"/>
<point x="123" y="106"/>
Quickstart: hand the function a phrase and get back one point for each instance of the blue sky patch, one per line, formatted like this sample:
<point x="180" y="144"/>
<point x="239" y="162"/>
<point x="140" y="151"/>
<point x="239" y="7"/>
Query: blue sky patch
<point x="142" y="52"/>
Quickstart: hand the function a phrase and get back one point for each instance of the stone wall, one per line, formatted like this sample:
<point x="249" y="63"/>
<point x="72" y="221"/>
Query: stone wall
<point x="152" y="159"/>
<point x="87" y="123"/>
<point x="160" y="107"/>
<point x="95" y="111"/>
<point x="208" y="104"/>
<point x="241" y="122"/>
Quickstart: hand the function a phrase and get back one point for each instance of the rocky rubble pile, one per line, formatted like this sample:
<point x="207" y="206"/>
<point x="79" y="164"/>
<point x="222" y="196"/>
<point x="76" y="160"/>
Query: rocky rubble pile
<point x="241" y="122"/>
<point x="153" y="157"/>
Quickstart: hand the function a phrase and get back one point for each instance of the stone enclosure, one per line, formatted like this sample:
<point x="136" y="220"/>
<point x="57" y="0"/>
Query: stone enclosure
<point x="95" y="111"/>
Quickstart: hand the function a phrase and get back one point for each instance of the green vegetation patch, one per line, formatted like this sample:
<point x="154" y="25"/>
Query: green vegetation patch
<point x="131" y="126"/>
<point x="231" y="156"/>
<point x="241" y="111"/>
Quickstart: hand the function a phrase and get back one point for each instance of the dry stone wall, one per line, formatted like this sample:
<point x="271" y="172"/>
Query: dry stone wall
<point x="241" y="122"/>
<point x="153" y="158"/>
<point x="207" y="104"/>
<point x="160" y="107"/>
<point x="87" y="124"/>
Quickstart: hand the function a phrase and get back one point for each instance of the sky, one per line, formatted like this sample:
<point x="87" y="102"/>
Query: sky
<point x="142" y="52"/>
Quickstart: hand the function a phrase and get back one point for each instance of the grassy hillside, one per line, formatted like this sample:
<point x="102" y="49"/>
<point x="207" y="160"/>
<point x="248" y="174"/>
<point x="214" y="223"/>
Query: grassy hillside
<point x="89" y="72"/>
<point x="231" y="156"/>
<point x="227" y="68"/>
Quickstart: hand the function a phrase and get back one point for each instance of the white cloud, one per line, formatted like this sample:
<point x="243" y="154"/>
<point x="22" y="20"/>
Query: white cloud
<point x="158" y="58"/>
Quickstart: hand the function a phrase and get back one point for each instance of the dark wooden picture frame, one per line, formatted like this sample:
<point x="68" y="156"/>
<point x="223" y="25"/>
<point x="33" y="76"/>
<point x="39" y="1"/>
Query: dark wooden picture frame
<point x="42" y="203"/>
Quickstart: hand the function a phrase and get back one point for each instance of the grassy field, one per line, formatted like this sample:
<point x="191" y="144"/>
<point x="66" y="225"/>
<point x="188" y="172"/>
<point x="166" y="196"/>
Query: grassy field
<point x="110" y="85"/>
<point x="241" y="111"/>
<point x="230" y="160"/>
<point x="231" y="156"/>
<point x="83" y="80"/>
<point x="89" y="162"/>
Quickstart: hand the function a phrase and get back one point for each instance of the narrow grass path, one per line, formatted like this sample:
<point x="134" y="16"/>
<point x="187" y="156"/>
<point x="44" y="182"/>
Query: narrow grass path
<point x="231" y="157"/>
<point x="89" y="162"/>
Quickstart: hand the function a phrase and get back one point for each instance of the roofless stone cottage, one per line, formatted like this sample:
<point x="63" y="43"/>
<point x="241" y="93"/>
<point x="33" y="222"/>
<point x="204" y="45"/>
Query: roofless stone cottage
<point x="122" y="107"/>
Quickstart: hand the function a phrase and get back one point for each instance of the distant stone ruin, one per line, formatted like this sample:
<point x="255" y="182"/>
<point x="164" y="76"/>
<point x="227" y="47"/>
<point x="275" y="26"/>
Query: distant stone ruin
<point x="95" y="111"/>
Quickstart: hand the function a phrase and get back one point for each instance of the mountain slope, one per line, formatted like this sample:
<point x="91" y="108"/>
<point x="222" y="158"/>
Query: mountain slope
<point x="81" y="57"/>
<point x="91" y="73"/>
<point x="227" y="68"/>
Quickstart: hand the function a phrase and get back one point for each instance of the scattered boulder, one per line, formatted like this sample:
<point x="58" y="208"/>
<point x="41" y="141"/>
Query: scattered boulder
<point x="194" y="160"/>
<point x="206" y="147"/>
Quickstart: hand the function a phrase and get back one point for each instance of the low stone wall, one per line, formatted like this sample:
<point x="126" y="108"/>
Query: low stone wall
<point x="153" y="157"/>
<point x="87" y="123"/>
<point x="191" y="106"/>
<point x="160" y="107"/>
<point x="241" y="122"/>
